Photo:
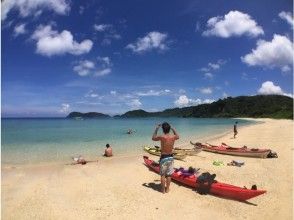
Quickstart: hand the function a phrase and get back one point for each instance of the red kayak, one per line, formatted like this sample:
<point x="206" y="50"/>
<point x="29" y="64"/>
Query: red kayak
<point x="237" y="151"/>
<point x="217" y="188"/>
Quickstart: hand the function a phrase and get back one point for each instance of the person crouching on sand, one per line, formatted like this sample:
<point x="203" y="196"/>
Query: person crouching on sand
<point x="166" y="161"/>
<point x="108" y="151"/>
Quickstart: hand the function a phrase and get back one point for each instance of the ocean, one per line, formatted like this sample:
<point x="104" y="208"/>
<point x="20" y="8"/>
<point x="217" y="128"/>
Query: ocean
<point x="31" y="141"/>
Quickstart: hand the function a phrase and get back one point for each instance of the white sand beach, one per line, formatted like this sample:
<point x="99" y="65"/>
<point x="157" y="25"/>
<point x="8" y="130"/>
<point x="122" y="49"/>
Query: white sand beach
<point x="123" y="188"/>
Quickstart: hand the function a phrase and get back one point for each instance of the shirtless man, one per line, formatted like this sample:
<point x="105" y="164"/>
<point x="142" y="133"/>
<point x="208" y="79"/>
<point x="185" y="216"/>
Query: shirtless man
<point x="108" y="151"/>
<point x="166" y="159"/>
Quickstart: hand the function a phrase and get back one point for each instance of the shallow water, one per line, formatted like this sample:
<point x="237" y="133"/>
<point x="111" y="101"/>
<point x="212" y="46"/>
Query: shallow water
<point x="46" y="140"/>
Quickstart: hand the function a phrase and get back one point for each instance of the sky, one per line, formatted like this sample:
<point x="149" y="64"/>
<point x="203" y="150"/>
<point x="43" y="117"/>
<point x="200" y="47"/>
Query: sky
<point x="111" y="56"/>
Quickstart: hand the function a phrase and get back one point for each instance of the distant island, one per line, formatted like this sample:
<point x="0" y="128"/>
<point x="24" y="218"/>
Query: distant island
<point x="259" y="106"/>
<point x="78" y="115"/>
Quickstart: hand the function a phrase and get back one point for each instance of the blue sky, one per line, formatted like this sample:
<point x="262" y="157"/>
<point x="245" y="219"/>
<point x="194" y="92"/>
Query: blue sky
<point x="60" y="56"/>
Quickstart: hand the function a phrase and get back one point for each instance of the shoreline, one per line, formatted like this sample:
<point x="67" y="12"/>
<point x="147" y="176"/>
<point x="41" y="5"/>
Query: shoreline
<point x="123" y="188"/>
<point x="135" y="152"/>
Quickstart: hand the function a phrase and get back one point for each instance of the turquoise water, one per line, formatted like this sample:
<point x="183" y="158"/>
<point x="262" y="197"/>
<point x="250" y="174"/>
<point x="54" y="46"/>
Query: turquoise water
<point x="46" y="140"/>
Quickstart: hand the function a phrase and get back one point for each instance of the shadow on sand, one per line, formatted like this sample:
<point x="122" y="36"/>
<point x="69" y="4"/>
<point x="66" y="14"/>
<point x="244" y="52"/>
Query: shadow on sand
<point x="154" y="186"/>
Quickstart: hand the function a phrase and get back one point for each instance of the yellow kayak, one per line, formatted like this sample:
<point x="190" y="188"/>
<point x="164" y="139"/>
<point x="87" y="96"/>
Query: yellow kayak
<point x="188" y="151"/>
<point x="156" y="151"/>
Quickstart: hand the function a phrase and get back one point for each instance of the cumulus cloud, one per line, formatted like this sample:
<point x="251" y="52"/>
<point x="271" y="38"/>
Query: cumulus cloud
<point x="184" y="101"/>
<point x="65" y="108"/>
<point x="31" y="7"/>
<point x="154" y="93"/>
<point x="84" y="67"/>
<point x="235" y="23"/>
<point x="269" y="88"/>
<point x="152" y="41"/>
<point x="134" y="103"/>
<point x="207" y="90"/>
<point x="50" y="42"/>
<point x="19" y="29"/>
<point x="87" y="67"/>
<point x="288" y="17"/>
<point x="270" y="54"/>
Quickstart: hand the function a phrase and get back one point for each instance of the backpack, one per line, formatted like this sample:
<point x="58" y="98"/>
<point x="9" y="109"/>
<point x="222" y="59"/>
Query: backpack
<point x="204" y="182"/>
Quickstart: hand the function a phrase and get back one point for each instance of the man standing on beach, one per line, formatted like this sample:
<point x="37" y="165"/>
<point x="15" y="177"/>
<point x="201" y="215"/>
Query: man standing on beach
<point x="235" y="129"/>
<point x="166" y="161"/>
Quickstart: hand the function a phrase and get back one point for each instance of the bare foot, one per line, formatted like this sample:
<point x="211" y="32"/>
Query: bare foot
<point x="166" y="190"/>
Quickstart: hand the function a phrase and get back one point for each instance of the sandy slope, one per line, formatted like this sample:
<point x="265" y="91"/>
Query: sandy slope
<point x="123" y="188"/>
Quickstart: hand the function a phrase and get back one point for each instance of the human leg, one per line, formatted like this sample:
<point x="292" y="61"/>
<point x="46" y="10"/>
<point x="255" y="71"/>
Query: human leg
<point x="168" y="180"/>
<point x="163" y="180"/>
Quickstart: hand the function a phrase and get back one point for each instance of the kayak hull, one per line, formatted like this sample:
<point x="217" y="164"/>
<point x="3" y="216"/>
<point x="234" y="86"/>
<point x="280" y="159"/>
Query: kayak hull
<point x="243" y="152"/>
<point x="219" y="189"/>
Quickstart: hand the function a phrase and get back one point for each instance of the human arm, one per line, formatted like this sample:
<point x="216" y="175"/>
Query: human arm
<point x="175" y="133"/>
<point x="155" y="137"/>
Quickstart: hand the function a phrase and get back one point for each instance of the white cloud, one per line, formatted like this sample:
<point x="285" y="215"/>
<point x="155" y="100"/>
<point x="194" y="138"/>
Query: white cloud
<point x="105" y="61"/>
<point x="81" y="10"/>
<point x="84" y="67"/>
<point x="134" y="103"/>
<point x="30" y="7"/>
<point x="225" y="95"/>
<point x="207" y="101"/>
<point x="269" y="88"/>
<point x="102" y="27"/>
<point x="87" y="67"/>
<point x="235" y="23"/>
<point x="184" y="101"/>
<point x="214" y="66"/>
<point x="103" y="72"/>
<point x="275" y="53"/>
<point x="50" y="42"/>
<point x="288" y="17"/>
<point x="91" y="94"/>
<point x="208" y="75"/>
<point x="19" y="29"/>
<point x="109" y="33"/>
<point x="113" y="92"/>
<point x="152" y="41"/>
<point x="65" y="108"/>
<point x="211" y="67"/>
<point x="154" y="93"/>
<point x="207" y="90"/>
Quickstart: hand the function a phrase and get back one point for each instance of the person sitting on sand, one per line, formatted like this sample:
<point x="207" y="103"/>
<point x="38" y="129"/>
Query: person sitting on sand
<point x="235" y="129"/>
<point x="108" y="151"/>
<point x="166" y="159"/>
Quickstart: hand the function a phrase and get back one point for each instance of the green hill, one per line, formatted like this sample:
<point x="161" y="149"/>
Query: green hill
<point x="259" y="106"/>
<point x="87" y="115"/>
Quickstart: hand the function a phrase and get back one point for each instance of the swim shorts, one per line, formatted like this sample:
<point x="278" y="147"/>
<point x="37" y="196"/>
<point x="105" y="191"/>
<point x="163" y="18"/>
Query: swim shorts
<point x="166" y="166"/>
